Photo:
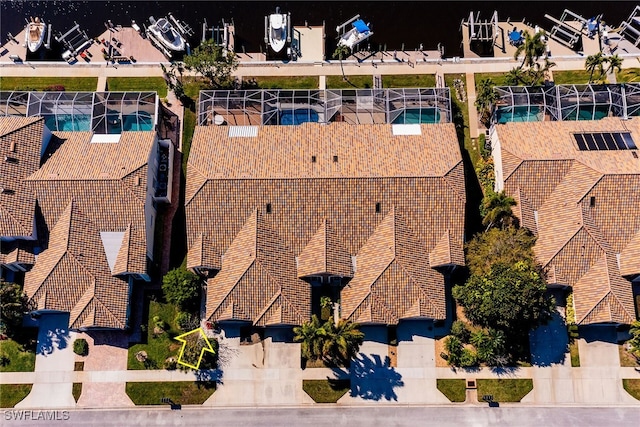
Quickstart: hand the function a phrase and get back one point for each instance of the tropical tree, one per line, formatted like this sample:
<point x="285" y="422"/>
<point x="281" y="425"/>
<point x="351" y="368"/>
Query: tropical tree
<point x="182" y="288"/>
<point x="516" y="76"/>
<point x="173" y="76"/>
<point x="14" y="304"/>
<point x="343" y="340"/>
<point x="311" y="336"/>
<point x="595" y="62"/>
<point x="634" y="342"/>
<point x="507" y="245"/>
<point x="497" y="209"/>
<point x="342" y="51"/>
<point x="511" y="298"/>
<point x="615" y="64"/>
<point x="532" y="48"/>
<point x="213" y="63"/>
<point x="486" y="96"/>
<point x="453" y="350"/>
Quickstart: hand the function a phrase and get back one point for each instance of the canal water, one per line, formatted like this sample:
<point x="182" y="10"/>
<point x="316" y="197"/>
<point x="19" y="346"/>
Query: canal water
<point x="395" y="23"/>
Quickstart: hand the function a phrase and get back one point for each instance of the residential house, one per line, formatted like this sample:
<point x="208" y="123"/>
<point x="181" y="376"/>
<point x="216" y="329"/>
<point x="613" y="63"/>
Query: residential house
<point x="577" y="184"/>
<point x="376" y="211"/>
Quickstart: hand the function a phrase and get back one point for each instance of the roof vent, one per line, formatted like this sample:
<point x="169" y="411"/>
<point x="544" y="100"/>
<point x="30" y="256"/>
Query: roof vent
<point x="335" y="159"/>
<point x="243" y="131"/>
<point x="268" y="208"/>
<point x="634" y="154"/>
<point x="10" y="159"/>
<point x="12" y="147"/>
<point x="313" y="159"/>
<point x="592" y="201"/>
<point x="378" y="207"/>
<point x="6" y="191"/>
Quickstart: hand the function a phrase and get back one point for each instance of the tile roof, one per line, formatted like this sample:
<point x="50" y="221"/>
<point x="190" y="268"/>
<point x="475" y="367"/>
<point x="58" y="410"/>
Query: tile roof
<point x="107" y="181"/>
<point x="21" y="141"/>
<point x="73" y="275"/>
<point x="583" y="207"/>
<point x="324" y="213"/>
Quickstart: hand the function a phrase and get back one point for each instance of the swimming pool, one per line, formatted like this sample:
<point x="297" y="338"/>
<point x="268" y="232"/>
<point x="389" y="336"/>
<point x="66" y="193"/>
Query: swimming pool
<point x="298" y="116"/>
<point x="418" y="115"/>
<point x="519" y="113"/>
<point x="587" y="113"/>
<point x="68" y="122"/>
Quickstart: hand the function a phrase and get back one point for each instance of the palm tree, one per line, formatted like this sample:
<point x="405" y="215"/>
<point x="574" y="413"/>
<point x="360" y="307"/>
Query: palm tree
<point x="533" y="48"/>
<point x="341" y="52"/>
<point x="497" y="208"/>
<point x="593" y="62"/>
<point x="615" y="64"/>
<point x="311" y="336"/>
<point x="539" y="71"/>
<point x="343" y="340"/>
<point x="515" y="77"/>
<point x="485" y="98"/>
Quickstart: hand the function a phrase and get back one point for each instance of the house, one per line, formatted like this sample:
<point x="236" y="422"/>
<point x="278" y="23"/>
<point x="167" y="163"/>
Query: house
<point x="577" y="184"/>
<point x="22" y="142"/>
<point x="375" y="211"/>
<point x="79" y="211"/>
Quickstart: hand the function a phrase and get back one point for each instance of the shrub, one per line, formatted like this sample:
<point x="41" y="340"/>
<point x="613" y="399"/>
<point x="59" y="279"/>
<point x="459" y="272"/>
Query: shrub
<point x="81" y="347"/>
<point x="460" y="331"/>
<point x="468" y="358"/>
<point x="570" y="310"/>
<point x="4" y="359"/>
<point x="170" y="364"/>
<point x="182" y="288"/>
<point x="186" y="321"/>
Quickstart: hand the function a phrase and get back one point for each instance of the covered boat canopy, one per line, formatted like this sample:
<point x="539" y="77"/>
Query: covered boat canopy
<point x="361" y="26"/>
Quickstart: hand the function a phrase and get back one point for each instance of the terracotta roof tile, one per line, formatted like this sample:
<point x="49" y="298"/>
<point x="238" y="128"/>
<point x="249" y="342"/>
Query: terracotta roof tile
<point x="325" y="255"/>
<point x="586" y="204"/>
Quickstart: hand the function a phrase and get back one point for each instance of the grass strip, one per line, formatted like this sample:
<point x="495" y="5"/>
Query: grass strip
<point x="454" y="389"/>
<point x="504" y="389"/>
<point x="180" y="392"/>
<point x="11" y="394"/>
<point x="326" y="391"/>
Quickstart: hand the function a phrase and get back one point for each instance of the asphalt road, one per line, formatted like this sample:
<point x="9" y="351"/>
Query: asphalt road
<point x="333" y="416"/>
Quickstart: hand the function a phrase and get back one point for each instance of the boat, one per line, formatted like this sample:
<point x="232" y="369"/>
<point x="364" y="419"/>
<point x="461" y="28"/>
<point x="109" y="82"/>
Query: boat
<point x="358" y="33"/>
<point x="165" y="33"/>
<point x="34" y="34"/>
<point x="278" y="30"/>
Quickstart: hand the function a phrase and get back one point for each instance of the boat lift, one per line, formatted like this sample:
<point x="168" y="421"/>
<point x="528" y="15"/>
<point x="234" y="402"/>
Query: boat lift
<point x="153" y="39"/>
<point x="631" y="27"/>
<point x="74" y="40"/>
<point x="221" y="35"/>
<point x="564" y="33"/>
<point x="482" y="31"/>
<point x="340" y="29"/>
<point x="184" y="29"/>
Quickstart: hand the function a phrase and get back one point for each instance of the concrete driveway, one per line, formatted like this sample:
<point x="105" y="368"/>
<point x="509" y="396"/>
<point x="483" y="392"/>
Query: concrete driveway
<point x="54" y="361"/>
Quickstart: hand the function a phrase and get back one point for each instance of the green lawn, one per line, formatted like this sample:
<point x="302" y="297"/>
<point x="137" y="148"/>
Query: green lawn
<point x="160" y="347"/>
<point x="497" y="78"/>
<point x="409" y="80"/>
<point x="21" y="359"/>
<point x="78" y="84"/>
<point x="632" y="75"/>
<point x="632" y="387"/>
<point x="505" y="390"/>
<point x="326" y="391"/>
<point x="462" y="121"/>
<point x="454" y="389"/>
<point x="282" y="82"/>
<point x="77" y="391"/>
<point x="570" y="77"/>
<point x="353" y="82"/>
<point x="575" y="355"/>
<point x="180" y="392"/>
<point x="137" y="84"/>
<point x="10" y="394"/>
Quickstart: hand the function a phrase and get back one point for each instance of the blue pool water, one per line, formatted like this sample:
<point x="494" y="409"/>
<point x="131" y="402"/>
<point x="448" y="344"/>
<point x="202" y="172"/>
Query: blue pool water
<point x="68" y="122"/>
<point x="416" y="116"/>
<point x="299" y="116"/>
<point x="520" y="113"/>
<point x="143" y="122"/>
<point x="587" y="113"/>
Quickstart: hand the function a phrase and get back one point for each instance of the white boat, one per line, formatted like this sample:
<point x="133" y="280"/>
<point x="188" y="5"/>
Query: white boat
<point x="278" y="30"/>
<point x="34" y="34"/>
<point x="358" y="33"/>
<point x="165" y="33"/>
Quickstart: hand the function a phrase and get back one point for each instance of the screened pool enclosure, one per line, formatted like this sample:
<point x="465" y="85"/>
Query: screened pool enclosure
<point x="100" y="112"/>
<point x="566" y="102"/>
<point x="293" y="107"/>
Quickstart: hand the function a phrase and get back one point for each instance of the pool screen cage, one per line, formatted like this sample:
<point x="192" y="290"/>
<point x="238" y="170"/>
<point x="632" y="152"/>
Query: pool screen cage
<point x="566" y="102"/>
<point x="100" y="112"/>
<point x="287" y="107"/>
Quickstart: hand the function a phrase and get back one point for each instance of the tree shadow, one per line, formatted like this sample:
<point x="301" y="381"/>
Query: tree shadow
<point x="372" y="378"/>
<point x="549" y="343"/>
<point x="52" y="339"/>
<point x="505" y="371"/>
